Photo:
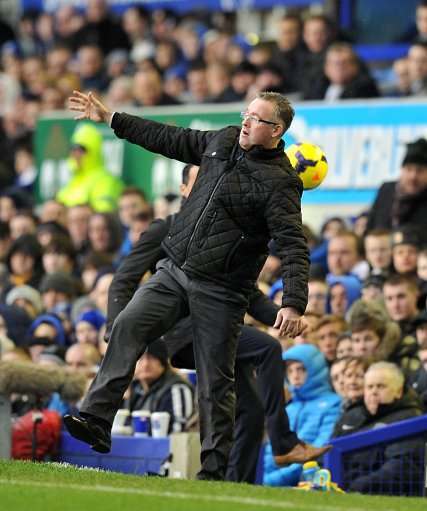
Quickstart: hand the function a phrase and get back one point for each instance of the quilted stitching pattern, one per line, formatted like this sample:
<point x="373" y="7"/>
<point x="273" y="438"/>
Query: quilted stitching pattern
<point x="237" y="205"/>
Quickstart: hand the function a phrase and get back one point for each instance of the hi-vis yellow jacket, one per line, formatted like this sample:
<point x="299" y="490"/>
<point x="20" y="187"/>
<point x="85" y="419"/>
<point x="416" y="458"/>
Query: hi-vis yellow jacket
<point x="90" y="183"/>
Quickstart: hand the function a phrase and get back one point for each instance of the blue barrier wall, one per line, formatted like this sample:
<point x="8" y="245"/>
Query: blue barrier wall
<point x="408" y="470"/>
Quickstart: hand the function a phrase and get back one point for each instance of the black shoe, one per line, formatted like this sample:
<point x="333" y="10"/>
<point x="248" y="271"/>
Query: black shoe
<point x="86" y="430"/>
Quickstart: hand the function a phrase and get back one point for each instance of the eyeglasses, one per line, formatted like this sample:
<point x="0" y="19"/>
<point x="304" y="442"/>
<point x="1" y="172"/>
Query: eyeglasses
<point x="245" y="116"/>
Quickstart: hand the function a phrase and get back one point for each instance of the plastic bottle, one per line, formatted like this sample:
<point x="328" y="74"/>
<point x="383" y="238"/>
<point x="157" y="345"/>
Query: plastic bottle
<point x="322" y="480"/>
<point x="309" y="469"/>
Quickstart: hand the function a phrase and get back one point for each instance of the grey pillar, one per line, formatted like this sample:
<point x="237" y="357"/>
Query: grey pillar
<point x="5" y="427"/>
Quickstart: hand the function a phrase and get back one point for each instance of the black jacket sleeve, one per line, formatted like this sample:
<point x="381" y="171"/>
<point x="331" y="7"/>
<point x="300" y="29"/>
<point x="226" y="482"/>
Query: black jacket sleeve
<point x="283" y="215"/>
<point x="262" y="308"/>
<point x="143" y="257"/>
<point x="177" y="143"/>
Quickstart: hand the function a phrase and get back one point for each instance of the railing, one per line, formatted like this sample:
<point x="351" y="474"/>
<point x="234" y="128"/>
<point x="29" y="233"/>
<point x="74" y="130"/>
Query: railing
<point x="376" y="447"/>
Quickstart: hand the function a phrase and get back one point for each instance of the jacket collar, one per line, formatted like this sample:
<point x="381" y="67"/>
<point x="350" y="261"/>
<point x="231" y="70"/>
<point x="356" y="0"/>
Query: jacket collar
<point x="261" y="153"/>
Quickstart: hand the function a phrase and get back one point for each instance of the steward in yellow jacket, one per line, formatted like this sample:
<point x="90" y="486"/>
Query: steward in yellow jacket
<point x="91" y="183"/>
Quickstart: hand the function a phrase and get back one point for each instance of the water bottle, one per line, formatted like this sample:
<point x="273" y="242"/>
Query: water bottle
<point x="322" y="480"/>
<point x="309" y="469"/>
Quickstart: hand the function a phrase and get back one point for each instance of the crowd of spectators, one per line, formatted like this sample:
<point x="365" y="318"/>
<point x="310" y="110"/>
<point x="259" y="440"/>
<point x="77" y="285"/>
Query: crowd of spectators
<point x="368" y="286"/>
<point x="148" y="58"/>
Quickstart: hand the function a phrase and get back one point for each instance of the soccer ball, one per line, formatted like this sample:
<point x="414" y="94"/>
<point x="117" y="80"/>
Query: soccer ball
<point x="310" y="162"/>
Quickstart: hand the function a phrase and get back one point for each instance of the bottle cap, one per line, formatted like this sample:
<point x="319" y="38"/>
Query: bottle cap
<point x="310" y="464"/>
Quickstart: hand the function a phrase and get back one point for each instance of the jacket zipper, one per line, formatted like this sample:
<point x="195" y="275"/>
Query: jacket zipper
<point x="202" y="214"/>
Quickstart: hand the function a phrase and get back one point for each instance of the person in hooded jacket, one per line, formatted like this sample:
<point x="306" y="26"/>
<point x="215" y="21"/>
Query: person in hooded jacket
<point x="379" y="469"/>
<point x="313" y="410"/>
<point x="91" y="183"/>
<point x="344" y="290"/>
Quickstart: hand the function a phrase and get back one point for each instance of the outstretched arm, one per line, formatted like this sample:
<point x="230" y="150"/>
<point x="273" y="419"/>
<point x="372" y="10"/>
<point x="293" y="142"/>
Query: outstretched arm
<point x="183" y="144"/>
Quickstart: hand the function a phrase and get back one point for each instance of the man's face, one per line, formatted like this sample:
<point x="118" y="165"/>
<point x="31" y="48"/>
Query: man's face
<point x="77" y="223"/>
<point x="99" y="234"/>
<point x="364" y="343"/>
<point x="327" y="336"/>
<point x="288" y="34"/>
<point x="77" y="360"/>
<point x="20" y="225"/>
<point x="417" y="60"/>
<point x="371" y="293"/>
<point x="53" y="211"/>
<point x="86" y="333"/>
<point x="7" y="209"/>
<point x="378" y="251"/>
<point x="405" y="258"/>
<point x="100" y="293"/>
<point x="342" y="255"/>
<point x="185" y="188"/>
<point x="296" y="373"/>
<point x="422" y="266"/>
<point x="340" y="67"/>
<point x="317" y="296"/>
<point x="55" y="262"/>
<point x="147" y="87"/>
<point x="379" y="389"/>
<point x="338" y="300"/>
<point x="148" y="369"/>
<point x="422" y="355"/>
<point x="316" y="35"/>
<point x="129" y="206"/>
<point x="254" y="132"/>
<point x="337" y="377"/>
<point x="400" y="301"/>
<point x="21" y="263"/>
<point x="421" y="19"/>
<point x="51" y="298"/>
<point x="413" y="178"/>
<point x="421" y="334"/>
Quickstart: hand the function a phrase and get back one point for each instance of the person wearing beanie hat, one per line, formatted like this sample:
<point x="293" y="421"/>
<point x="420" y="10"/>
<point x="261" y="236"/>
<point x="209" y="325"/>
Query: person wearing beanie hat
<point x="404" y="202"/>
<point x="27" y="298"/>
<point x="157" y="388"/>
<point x="405" y="246"/>
<point x="88" y="325"/>
<point x="45" y="330"/>
<point x="57" y="288"/>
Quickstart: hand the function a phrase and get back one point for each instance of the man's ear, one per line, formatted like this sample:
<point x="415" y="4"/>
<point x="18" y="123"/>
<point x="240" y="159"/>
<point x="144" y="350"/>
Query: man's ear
<point x="278" y="131"/>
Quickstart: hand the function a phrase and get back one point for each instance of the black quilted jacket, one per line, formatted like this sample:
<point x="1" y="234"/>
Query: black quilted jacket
<point x="240" y="200"/>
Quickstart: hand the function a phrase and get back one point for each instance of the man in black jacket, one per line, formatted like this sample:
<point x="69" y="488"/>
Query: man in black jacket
<point x="254" y="349"/>
<point x="403" y="202"/>
<point x="246" y="193"/>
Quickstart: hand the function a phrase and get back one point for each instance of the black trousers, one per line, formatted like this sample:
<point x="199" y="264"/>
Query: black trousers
<point x="216" y="315"/>
<point x="257" y="398"/>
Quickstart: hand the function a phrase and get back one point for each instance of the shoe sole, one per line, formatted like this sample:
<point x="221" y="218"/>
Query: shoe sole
<point x="79" y="430"/>
<point x="281" y="460"/>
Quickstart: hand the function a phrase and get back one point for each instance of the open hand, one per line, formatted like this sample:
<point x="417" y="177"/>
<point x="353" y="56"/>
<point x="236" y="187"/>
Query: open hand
<point x="89" y="107"/>
<point x="289" y="322"/>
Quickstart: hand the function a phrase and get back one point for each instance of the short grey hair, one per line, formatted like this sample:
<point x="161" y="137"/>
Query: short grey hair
<point x="283" y="110"/>
<point x="395" y="372"/>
